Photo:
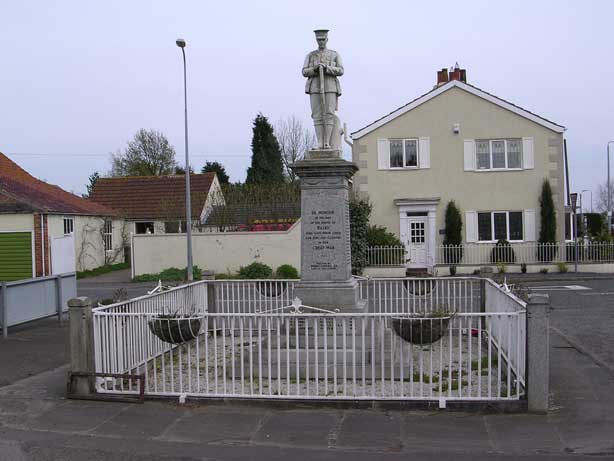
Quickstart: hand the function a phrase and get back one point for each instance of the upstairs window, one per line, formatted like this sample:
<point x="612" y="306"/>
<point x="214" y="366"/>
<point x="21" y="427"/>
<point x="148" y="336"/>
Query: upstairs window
<point x="403" y="153"/>
<point x="69" y="226"/>
<point x="498" y="154"/>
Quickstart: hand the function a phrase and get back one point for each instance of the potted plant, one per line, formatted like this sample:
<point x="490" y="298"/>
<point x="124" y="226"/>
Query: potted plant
<point x="422" y="328"/>
<point x="175" y="328"/>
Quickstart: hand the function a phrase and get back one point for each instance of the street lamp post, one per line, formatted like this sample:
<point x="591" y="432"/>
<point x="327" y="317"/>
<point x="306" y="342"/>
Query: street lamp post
<point x="609" y="210"/>
<point x="188" y="202"/>
<point x="591" y="196"/>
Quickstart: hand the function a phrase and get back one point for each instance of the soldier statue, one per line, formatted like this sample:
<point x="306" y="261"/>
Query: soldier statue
<point x="322" y="67"/>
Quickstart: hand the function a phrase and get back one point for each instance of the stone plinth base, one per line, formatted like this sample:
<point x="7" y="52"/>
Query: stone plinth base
<point x="323" y="154"/>
<point x="344" y="296"/>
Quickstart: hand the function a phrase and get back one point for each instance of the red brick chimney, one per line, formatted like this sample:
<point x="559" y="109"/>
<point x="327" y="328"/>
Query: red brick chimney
<point x="458" y="74"/>
<point x="442" y="77"/>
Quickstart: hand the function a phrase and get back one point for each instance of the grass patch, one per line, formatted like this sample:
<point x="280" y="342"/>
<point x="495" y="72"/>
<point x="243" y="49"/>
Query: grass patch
<point x="494" y="361"/>
<point x="172" y="274"/>
<point x="102" y="270"/>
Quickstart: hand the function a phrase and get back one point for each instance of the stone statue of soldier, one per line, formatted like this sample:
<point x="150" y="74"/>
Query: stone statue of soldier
<point x="322" y="67"/>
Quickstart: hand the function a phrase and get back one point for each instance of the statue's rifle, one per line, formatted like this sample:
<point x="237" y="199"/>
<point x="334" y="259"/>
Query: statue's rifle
<point x="322" y="93"/>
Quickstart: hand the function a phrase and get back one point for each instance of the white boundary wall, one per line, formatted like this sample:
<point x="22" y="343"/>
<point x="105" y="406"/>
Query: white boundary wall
<point x="217" y="251"/>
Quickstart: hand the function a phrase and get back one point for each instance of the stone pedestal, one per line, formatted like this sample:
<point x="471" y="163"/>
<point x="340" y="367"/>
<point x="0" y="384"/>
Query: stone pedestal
<point x="326" y="260"/>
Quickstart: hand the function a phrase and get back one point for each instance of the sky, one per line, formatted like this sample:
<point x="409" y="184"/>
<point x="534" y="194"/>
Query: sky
<point x="79" y="78"/>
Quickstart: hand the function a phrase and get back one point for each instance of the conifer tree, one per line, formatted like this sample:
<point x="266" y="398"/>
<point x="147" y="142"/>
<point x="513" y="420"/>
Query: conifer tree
<point x="547" y="221"/>
<point x="267" y="165"/>
<point x="547" y="228"/>
<point x="453" y="236"/>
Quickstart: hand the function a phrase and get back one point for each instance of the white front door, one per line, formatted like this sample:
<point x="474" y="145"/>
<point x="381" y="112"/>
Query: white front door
<point x="416" y="241"/>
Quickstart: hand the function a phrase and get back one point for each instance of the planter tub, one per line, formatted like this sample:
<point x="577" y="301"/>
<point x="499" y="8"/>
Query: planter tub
<point x="175" y="330"/>
<point x="421" y="330"/>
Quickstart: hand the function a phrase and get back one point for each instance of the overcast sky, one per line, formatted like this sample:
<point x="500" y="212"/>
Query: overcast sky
<point x="78" y="79"/>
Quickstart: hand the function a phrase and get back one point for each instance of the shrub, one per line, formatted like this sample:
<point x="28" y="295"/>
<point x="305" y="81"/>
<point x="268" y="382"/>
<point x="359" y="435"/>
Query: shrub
<point x="453" y="234"/>
<point x="256" y="270"/>
<point x="452" y="270"/>
<point x="360" y="211"/>
<point x="544" y="270"/>
<point x="380" y="236"/>
<point x="286" y="271"/>
<point x="172" y="274"/>
<point x="596" y="224"/>
<point x="503" y="252"/>
<point x="523" y="268"/>
<point x="501" y="268"/>
<point x="562" y="267"/>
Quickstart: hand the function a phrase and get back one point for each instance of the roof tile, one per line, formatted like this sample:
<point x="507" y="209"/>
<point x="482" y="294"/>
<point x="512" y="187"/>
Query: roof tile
<point x="152" y="197"/>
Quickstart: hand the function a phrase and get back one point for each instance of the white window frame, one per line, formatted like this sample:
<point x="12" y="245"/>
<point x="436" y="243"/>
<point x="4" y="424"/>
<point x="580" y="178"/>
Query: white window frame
<point x="71" y="220"/>
<point x="107" y="235"/>
<point x="507" y="226"/>
<point x="490" y="152"/>
<point x="404" y="167"/>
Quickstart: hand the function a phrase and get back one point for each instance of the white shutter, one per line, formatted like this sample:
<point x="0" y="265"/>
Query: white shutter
<point x="469" y="146"/>
<point x="471" y="225"/>
<point x="424" y="152"/>
<point x="528" y="161"/>
<point x="529" y="225"/>
<point x="383" y="154"/>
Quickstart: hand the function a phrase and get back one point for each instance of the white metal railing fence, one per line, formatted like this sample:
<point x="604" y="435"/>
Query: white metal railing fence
<point x="252" y="347"/>
<point x="252" y="296"/>
<point x="181" y="300"/>
<point x="498" y="299"/>
<point x="321" y="356"/>
<point x="121" y="342"/>
<point x="382" y="256"/>
<point x="419" y="295"/>
<point x="527" y="253"/>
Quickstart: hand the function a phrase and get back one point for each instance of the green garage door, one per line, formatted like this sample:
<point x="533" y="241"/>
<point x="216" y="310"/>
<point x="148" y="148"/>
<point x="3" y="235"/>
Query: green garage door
<point x="15" y="255"/>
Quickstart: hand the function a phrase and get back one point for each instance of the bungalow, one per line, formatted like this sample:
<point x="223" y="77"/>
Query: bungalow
<point x="156" y="204"/>
<point x="459" y="142"/>
<point x="45" y="230"/>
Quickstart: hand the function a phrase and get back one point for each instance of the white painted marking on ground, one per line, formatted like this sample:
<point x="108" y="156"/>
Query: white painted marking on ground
<point x="603" y="293"/>
<point x="560" y="287"/>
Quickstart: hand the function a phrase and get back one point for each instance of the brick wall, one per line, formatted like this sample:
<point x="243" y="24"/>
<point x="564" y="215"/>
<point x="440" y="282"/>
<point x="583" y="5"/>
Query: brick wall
<point x="38" y="250"/>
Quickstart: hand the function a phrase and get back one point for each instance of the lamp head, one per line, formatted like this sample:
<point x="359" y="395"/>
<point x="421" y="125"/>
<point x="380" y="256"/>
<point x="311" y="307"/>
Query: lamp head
<point x="180" y="43"/>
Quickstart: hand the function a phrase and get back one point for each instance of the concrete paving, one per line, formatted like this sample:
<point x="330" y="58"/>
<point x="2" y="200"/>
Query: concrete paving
<point x="36" y="422"/>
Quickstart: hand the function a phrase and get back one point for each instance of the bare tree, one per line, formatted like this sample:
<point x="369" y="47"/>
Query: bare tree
<point x="148" y="154"/>
<point x="601" y="199"/>
<point x="294" y="141"/>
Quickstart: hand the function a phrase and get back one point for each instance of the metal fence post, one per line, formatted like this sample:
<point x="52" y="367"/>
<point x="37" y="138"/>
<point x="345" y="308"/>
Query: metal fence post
<point x="81" y="344"/>
<point x="211" y="301"/>
<point x="4" y="311"/>
<point x="538" y="353"/>
<point x="59" y="295"/>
